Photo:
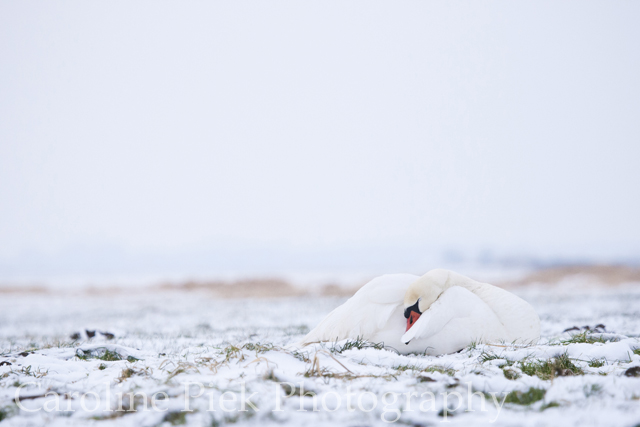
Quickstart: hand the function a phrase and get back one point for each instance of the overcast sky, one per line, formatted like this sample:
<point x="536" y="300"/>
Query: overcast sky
<point x="159" y="127"/>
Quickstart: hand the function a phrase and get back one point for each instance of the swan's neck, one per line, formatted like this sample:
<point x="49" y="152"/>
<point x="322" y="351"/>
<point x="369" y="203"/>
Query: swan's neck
<point x="453" y="279"/>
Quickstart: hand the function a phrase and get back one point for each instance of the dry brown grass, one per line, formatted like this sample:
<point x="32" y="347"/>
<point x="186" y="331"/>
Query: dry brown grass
<point x="599" y="275"/>
<point x="247" y="288"/>
<point x="332" y="290"/>
<point x="257" y="288"/>
<point x="609" y="275"/>
<point x="9" y="289"/>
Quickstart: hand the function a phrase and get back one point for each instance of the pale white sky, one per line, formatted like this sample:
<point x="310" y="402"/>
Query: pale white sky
<point x="164" y="127"/>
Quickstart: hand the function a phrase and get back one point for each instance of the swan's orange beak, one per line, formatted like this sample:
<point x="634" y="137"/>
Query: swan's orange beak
<point x="413" y="317"/>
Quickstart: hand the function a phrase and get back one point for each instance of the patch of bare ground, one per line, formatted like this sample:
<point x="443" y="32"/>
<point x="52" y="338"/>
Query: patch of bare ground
<point x="607" y="275"/>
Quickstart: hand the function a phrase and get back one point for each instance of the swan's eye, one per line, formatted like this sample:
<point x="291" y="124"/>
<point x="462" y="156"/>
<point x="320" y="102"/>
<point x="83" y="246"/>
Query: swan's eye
<point x="414" y="308"/>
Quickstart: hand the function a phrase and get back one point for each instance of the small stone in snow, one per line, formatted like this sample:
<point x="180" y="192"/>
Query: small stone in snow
<point x="564" y="372"/>
<point x="108" y="335"/>
<point x="633" y="372"/>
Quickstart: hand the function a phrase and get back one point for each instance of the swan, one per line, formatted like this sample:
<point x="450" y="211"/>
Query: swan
<point x="438" y="313"/>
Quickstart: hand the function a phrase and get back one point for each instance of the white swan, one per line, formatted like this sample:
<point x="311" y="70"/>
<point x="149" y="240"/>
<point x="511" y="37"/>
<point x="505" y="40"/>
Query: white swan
<point x="440" y="312"/>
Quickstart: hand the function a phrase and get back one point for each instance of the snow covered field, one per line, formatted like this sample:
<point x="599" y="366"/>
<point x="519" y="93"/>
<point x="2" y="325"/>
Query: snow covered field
<point x="229" y="361"/>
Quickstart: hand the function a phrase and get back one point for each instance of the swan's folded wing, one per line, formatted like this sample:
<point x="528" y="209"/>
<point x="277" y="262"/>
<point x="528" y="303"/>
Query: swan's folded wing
<point x="515" y="314"/>
<point x="366" y="312"/>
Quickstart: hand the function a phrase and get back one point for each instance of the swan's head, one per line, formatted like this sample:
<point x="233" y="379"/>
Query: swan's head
<point x="419" y="297"/>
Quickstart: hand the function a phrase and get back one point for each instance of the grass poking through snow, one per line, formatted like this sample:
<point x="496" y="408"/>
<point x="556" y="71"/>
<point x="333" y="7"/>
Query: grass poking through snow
<point x="559" y="366"/>
<point x="106" y="355"/>
<point x="358" y="343"/>
<point x="7" y="412"/>
<point x="584" y="337"/>
<point x="511" y="374"/>
<point x="525" y="398"/>
<point x="486" y="356"/>
<point x="430" y="369"/>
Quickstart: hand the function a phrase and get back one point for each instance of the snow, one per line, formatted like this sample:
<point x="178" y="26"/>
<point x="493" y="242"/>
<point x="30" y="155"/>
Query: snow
<point x="230" y="349"/>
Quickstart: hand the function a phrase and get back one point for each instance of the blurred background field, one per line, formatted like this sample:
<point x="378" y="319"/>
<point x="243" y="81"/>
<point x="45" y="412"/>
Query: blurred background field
<point x="570" y="279"/>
